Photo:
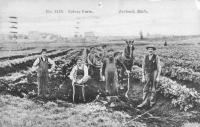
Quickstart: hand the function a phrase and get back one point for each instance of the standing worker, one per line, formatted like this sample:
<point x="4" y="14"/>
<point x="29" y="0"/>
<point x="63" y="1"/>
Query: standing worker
<point x="103" y="57"/>
<point x="41" y="64"/>
<point x="97" y="67"/>
<point x="104" y="51"/>
<point x="90" y="58"/>
<point x="109" y="73"/>
<point x="150" y="75"/>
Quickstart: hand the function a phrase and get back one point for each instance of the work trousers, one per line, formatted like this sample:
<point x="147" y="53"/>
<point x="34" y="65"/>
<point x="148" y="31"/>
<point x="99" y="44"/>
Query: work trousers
<point x="149" y="91"/>
<point x="43" y="80"/>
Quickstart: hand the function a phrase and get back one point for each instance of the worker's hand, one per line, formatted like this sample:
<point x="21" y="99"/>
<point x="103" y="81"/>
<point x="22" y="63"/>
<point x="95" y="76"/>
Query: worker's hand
<point x="34" y="68"/>
<point x="143" y="79"/>
<point x="157" y="79"/>
<point x="50" y="70"/>
<point x="61" y="86"/>
<point x="50" y="75"/>
<point x="103" y="78"/>
<point x="73" y="81"/>
<point x="79" y="81"/>
<point x="127" y="71"/>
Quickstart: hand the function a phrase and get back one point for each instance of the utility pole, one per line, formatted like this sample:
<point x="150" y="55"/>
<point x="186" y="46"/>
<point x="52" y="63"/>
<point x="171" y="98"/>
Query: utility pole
<point x="76" y="27"/>
<point x="13" y="27"/>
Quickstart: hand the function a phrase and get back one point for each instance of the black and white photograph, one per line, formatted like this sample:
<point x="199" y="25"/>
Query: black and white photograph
<point x="99" y="63"/>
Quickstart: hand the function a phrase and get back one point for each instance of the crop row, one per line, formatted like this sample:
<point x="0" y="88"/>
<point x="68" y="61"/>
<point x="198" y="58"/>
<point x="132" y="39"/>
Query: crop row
<point x="16" y="65"/>
<point x="59" y="85"/>
<point x="23" y="83"/>
<point x="174" y="71"/>
<point x="181" y="96"/>
<point x="177" y="55"/>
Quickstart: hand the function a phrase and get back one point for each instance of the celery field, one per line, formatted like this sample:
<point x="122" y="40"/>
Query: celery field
<point x="178" y="89"/>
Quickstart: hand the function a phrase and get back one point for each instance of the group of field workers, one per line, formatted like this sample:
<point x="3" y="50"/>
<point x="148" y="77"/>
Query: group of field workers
<point x="102" y="64"/>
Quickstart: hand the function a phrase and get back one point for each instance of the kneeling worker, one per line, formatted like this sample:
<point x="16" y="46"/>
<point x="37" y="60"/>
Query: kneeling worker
<point x="79" y="76"/>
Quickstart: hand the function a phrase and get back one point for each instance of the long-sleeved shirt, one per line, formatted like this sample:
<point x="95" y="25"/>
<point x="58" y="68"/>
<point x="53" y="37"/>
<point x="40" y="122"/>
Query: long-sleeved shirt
<point x="72" y="75"/>
<point x="157" y="64"/>
<point x="118" y="62"/>
<point x="90" y="58"/>
<point x="94" y="61"/>
<point x="37" y="61"/>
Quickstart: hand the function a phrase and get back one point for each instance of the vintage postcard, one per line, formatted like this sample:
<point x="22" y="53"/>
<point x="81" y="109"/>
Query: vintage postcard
<point x="99" y="63"/>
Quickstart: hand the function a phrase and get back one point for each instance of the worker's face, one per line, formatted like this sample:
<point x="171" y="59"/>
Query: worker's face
<point x="120" y="55"/>
<point x="44" y="53"/>
<point x="104" y="47"/>
<point x="79" y="62"/>
<point x="110" y="53"/>
<point x="150" y="51"/>
<point x="92" y="50"/>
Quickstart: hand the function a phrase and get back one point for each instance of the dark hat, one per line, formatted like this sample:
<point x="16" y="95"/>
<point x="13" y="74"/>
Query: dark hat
<point x="98" y="49"/>
<point x="92" y="47"/>
<point x="153" y="47"/>
<point x="44" y="50"/>
<point x="104" y="46"/>
<point x="117" y="53"/>
<point x="79" y="58"/>
<point x="111" y="50"/>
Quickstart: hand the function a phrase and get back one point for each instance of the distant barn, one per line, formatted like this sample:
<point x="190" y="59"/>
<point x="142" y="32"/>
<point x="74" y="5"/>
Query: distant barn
<point x="90" y="37"/>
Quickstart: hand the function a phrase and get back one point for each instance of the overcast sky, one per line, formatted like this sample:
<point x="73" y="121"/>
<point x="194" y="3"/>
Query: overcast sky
<point x="179" y="17"/>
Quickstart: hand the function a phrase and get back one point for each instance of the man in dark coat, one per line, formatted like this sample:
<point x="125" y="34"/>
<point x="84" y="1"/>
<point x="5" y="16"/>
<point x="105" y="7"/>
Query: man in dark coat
<point x="150" y="76"/>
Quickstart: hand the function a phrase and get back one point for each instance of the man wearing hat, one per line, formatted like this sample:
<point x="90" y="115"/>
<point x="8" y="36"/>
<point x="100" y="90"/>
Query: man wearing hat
<point x="110" y="74"/>
<point x="79" y="73"/>
<point x="97" y="67"/>
<point x="95" y="63"/>
<point x="150" y="76"/>
<point x="41" y="64"/>
<point x="104" y="51"/>
<point x="90" y="58"/>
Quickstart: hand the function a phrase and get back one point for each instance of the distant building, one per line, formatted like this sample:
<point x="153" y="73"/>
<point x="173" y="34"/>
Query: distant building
<point x="90" y="37"/>
<point x="5" y="37"/>
<point x="35" y="35"/>
<point x="89" y="34"/>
